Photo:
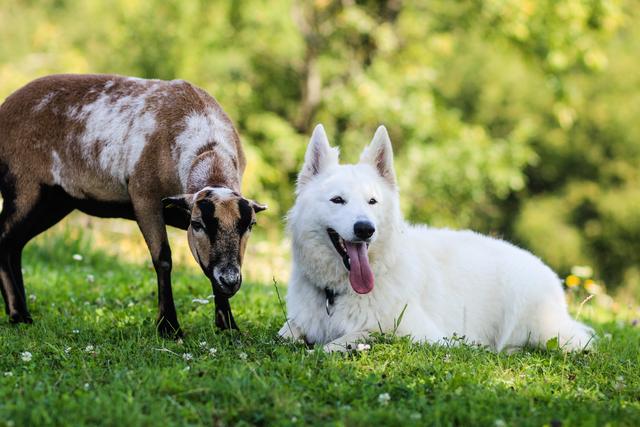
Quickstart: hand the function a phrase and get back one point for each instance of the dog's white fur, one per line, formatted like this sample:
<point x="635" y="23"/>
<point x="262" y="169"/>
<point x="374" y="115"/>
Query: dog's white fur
<point x="451" y="282"/>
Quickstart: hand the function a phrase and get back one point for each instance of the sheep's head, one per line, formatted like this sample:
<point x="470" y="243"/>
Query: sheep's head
<point x="220" y="221"/>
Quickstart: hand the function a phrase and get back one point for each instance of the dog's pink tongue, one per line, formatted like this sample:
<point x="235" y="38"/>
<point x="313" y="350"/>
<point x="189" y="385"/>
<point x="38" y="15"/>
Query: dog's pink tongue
<point x="360" y="274"/>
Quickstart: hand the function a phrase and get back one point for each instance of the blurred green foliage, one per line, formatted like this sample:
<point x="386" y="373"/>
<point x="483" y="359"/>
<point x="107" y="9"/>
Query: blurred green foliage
<point x="520" y="118"/>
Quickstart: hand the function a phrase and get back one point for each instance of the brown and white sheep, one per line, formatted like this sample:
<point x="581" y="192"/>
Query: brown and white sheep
<point x="158" y="152"/>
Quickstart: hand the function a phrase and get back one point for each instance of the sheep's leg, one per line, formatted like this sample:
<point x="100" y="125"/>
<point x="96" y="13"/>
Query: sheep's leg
<point x="12" y="223"/>
<point x="150" y="219"/>
<point x="51" y="209"/>
<point x="13" y="263"/>
<point x="4" y="297"/>
<point x="224" y="317"/>
<point x="14" y="303"/>
<point x="12" y="299"/>
<point x="32" y="213"/>
<point x="6" y="288"/>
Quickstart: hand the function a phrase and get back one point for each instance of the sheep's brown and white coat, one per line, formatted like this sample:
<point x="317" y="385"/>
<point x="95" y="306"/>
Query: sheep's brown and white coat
<point x="115" y="146"/>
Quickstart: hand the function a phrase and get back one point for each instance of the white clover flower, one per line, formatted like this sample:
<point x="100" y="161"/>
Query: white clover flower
<point x="187" y="356"/>
<point x="91" y="278"/>
<point x="203" y="344"/>
<point x="26" y="356"/>
<point x="384" y="398"/>
<point x="76" y="331"/>
<point x="243" y="356"/>
<point x="67" y="350"/>
<point x="187" y="368"/>
<point x="363" y="347"/>
<point x="32" y="297"/>
<point x="87" y="386"/>
<point x="77" y="257"/>
<point x="213" y="351"/>
<point x="8" y="374"/>
<point x="89" y="348"/>
<point x="200" y="301"/>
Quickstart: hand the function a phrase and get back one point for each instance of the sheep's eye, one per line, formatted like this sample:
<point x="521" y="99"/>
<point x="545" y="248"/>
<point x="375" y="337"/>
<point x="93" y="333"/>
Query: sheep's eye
<point x="251" y="225"/>
<point x="338" y="200"/>
<point x="372" y="201"/>
<point x="196" y="226"/>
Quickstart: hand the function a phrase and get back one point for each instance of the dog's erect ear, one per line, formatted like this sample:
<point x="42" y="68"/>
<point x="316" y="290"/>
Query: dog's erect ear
<point x="319" y="156"/>
<point x="379" y="154"/>
<point x="182" y="203"/>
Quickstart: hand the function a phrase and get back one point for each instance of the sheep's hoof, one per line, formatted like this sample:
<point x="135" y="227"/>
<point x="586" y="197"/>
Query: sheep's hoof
<point x="17" y="317"/>
<point x="225" y="321"/>
<point x="169" y="329"/>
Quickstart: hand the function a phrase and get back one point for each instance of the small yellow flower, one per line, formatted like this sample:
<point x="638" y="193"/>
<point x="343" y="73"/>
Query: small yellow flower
<point x="572" y="281"/>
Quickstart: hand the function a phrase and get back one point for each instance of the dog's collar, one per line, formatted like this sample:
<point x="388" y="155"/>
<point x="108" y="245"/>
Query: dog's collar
<point x="330" y="299"/>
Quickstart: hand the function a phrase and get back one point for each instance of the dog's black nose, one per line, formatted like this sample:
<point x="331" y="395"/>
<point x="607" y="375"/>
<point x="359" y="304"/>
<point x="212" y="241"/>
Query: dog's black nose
<point x="363" y="229"/>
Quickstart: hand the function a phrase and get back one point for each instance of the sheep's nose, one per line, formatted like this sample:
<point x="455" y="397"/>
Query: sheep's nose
<point x="228" y="278"/>
<point x="363" y="229"/>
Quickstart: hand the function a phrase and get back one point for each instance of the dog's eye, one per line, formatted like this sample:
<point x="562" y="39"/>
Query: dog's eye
<point x="196" y="226"/>
<point x="338" y="200"/>
<point x="372" y="201"/>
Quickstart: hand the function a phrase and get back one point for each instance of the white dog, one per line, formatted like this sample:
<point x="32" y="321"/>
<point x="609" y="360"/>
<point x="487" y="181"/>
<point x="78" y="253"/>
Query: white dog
<point x="358" y="267"/>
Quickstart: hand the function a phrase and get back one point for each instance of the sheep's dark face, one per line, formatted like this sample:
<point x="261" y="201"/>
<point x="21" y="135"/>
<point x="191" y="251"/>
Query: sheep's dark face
<point x="219" y="228"/>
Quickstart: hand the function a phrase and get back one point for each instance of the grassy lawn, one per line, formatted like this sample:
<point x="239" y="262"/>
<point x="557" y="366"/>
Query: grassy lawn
<point x="95" y="359"/>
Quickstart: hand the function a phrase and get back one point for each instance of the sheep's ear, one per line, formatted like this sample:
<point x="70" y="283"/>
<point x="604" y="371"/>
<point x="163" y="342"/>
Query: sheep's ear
<point x="182" y="203"/>
<point x="379" y="154"/>
<point x="318" y="157"/>
<point x="257" y="207"/>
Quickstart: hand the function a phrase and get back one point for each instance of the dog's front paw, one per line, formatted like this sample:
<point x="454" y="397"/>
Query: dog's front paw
<point x="290" y="331"/>
<point x="351" y="342"/>
<point x="340" y="347"/>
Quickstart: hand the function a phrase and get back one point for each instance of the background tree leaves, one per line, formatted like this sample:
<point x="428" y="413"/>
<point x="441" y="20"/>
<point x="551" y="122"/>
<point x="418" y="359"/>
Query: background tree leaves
<point x="517" y="118"/>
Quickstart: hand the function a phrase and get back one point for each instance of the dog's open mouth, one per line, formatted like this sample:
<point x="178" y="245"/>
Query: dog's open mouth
<point x="355" y="258"/>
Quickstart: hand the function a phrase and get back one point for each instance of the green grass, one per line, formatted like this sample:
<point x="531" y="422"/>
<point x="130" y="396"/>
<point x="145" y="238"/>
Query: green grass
<point x="132" y="377"/>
